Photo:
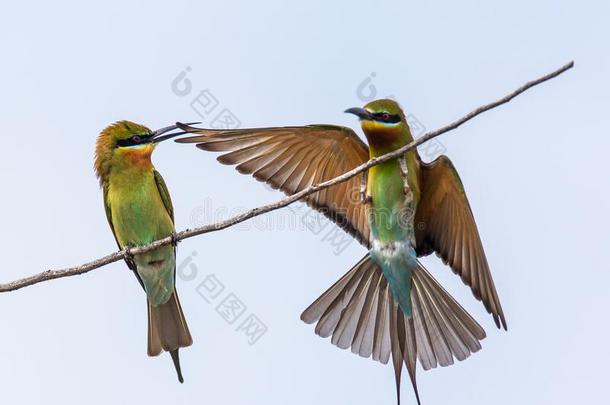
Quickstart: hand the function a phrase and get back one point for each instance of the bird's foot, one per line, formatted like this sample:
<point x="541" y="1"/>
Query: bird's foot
<point x="128" y="255"/>
<point x="365" y="198"/>
<point x="404" y="173"/>
<point x="408" y="195"/>
<point x="175" y="239"/>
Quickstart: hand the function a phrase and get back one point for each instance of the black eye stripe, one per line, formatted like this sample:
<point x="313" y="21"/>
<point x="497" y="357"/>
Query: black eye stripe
<point x="134" y="140"/>
<point x="387" y="117"/>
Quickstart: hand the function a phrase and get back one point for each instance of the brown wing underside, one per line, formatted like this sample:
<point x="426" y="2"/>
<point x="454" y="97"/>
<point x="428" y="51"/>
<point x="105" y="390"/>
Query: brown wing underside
<point x="445" y="225"/>
<point x="294" y="158"/>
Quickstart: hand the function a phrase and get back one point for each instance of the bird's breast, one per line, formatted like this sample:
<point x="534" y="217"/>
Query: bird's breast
<point x="391" y="213"/>
<point x="138" y="213"/>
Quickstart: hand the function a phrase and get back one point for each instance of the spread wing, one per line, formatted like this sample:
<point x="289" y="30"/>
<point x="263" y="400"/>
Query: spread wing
<point x="294" y="158"/>
<point x="445" y="225"/>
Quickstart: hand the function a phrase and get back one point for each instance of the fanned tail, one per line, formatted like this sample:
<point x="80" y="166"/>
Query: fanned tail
<point x="168" y="331"/>
<point x="359" y="311"/>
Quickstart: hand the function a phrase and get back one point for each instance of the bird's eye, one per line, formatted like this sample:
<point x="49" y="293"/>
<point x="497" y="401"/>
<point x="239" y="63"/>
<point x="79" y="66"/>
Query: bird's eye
<point x="136" y="139"/>
<point x="385" y="116"/>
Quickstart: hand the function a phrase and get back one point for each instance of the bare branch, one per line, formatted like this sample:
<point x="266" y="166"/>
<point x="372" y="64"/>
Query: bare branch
<point x="189" y="233"/>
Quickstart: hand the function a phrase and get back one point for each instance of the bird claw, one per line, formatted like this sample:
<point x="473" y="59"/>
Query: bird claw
<point x="365" y="198"/>
<point x="404" y="172"/>
<point x="128" y="255"/>
<point x="175" y="239"/>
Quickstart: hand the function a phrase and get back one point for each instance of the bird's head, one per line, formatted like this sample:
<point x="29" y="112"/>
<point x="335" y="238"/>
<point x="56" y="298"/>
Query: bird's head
<point x="383" y="123"/>
<point x="128" y="143"/>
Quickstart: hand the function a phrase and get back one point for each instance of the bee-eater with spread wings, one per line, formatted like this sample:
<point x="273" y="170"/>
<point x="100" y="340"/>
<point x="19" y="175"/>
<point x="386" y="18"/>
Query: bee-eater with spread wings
<point x="387" y="304"/>
<point x="139" y="211"/>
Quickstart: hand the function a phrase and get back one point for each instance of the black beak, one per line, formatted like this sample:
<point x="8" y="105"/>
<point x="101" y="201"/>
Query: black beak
<point x="360" y="113"/>
<point x="161" y="135"/>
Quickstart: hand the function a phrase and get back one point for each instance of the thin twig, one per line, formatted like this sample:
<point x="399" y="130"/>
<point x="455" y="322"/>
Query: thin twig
<point x="189" y="233"/>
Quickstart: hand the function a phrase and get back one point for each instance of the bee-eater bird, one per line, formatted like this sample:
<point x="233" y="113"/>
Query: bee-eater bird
<point x="387" y="304"/>
<point x="139" y="211"/>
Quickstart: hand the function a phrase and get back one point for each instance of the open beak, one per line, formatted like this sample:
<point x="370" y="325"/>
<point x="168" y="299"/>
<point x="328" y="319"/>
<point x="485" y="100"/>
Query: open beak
<point x="360" y="113"/>
<point x="163" y="134"/>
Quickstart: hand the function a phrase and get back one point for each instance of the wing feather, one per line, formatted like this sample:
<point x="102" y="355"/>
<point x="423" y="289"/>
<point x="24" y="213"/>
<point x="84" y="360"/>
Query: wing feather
<point x="294" y="158"/>
<point x="446" y="226"/>
<point x="360" y="311"/>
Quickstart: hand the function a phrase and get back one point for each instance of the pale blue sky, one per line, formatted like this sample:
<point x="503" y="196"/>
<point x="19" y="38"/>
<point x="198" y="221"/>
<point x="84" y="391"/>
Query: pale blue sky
<point x="535" y="172"/>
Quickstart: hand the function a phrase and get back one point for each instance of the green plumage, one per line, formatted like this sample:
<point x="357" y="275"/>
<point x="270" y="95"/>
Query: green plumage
<point x="393" y="203"/>
<point x="138" y="206"/>
<point x="386" y="191"/>
<point x="387" y="305"/>
<point x="139" y="210"/>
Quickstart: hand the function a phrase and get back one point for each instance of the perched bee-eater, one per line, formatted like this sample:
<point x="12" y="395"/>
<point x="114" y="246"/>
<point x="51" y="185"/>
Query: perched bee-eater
<point x="139" y="211"/>
<point x="387" y="304"/>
